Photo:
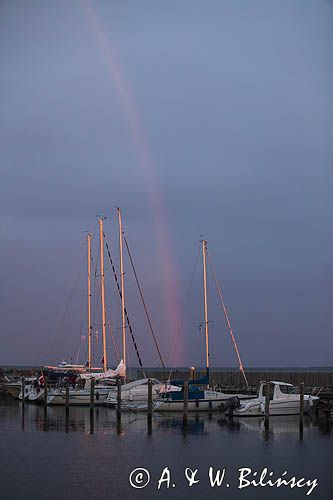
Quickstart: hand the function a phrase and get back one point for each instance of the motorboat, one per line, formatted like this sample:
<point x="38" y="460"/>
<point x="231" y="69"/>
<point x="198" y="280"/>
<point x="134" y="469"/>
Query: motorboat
<point x="284" y="400"/>
<point x="29" y="386"/>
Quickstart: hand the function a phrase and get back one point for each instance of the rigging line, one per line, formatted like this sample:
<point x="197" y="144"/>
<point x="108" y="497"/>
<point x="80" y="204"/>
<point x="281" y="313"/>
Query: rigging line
<point x="120" y="294"/>
<point x="144" y="304"/>
<point x="186" y="304"/>
<point x="227" y="319"/>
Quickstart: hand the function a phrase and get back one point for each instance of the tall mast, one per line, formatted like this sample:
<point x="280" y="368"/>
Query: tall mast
<point x="89" y="298"/>
<point x="122" y="284"/>
<point x="204" y="249"/>
<point x="101" y="241"/>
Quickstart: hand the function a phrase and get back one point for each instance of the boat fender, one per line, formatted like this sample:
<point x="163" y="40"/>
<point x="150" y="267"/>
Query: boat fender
<point x="197" y="403"/>
<point x="97" y="396"/>
<point x="210" y="404"/>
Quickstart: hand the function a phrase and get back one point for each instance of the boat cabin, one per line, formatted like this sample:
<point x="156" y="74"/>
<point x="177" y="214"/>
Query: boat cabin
<point x="279" y="390"/>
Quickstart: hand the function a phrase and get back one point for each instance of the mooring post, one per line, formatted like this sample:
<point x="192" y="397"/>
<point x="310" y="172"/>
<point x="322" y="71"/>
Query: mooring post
<point x="301" y="406"/>
<point x="185" y="408"/>
<point x="67" y="395"/>
<point x="118" y="399"/>
<point x="192" y="372"/>
<point x="267" y="399"/>
<point x="92" y="393"/>
<point x="150" y="398"/>
<point x="23" y="390"/>
<point x="150" y="406"/>
<point x="45" y="392"/>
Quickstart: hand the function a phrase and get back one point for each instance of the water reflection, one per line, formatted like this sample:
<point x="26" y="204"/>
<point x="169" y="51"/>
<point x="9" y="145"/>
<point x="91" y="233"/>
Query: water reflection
<point x="104" y="420"/>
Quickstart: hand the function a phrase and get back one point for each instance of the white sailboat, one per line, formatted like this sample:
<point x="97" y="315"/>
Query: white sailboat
<point x="136" y="392"/>
<point x="81" y="396"/>
<point x="104" y="379"/>
<point x="200" y="398"/>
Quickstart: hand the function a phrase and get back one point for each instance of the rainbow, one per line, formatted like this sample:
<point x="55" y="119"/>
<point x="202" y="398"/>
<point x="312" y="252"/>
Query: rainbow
<point x="145" y="162"/>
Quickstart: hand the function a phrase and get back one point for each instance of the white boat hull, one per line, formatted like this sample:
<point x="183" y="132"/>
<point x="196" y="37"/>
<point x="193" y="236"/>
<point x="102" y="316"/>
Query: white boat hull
<point x="278" y="407"/>
<point x="76" y="397"/>
<point x="211" y="402"/>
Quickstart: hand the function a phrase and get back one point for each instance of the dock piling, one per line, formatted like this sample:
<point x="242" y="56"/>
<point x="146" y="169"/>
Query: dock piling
<point x="185" y="408"/>
<point x="267" y="399"/>
<point x="118" y="399"/>
<point x="301" y="407"/>
<point x="67" y="396"/>
<point x="92" y="393"/>
<point x="23" y="390"/>
<point x="150" y="406"/>
<point x="192" y="372"/>
<point x="45" y="392"/>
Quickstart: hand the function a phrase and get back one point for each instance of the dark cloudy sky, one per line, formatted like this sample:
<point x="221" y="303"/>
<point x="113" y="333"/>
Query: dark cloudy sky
<point x="211" y="118"/>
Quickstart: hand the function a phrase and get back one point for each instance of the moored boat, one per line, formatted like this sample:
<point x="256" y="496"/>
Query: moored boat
<point x="199" y="399"/>
<point x="284" y="400"/>
<point x="200" y="396"/>
<point x="137" y="392"/>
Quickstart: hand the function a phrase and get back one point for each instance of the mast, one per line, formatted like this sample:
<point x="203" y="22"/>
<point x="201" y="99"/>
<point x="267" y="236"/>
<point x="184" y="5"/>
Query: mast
<point x="122" y="284"/>
<point x="204" y="249"/>
<point x="89" y="298"/>
<point x="101" y="241"/>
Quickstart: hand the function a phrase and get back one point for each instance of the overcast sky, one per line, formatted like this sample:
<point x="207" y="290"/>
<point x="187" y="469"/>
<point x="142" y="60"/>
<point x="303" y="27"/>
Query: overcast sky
<point x="197" y="118"/>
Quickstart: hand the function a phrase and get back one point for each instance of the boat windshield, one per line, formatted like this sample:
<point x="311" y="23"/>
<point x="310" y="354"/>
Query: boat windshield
<point x="289" y="389"/>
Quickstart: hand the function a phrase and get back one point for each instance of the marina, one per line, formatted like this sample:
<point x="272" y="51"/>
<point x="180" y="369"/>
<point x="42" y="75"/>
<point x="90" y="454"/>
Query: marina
<point x="166" y="250"/>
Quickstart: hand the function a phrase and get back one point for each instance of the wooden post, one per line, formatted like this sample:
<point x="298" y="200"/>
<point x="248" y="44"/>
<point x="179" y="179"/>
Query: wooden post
<point x="23" y="390"/>
<point x="150" y="406"/>
<point x="92" y="392"/>
<point x="23" y="405"/>
<point x="185" y="409"/>
<point x="192" y="372"/>
<point x="301" y="407"/>
<point x="267" y="399"/>
<point x="67" y="394"/>
<point x="118" y="399"/>
<point x="150" y="398"/>
<point x="45" y="392"/>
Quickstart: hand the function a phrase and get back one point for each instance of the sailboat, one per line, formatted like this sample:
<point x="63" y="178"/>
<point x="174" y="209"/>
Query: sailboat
<point x="79" y="393"/>
<point x="134" y="394"/>
<point x="200" y="397"/>
<point x="81" y="396"/>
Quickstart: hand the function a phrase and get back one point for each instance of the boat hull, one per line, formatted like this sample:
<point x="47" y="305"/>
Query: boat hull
<point x="279" y="407"/>
<point x="76" y="398"/>
<point x="12" y="389"/>
<point x="193" y="406"/>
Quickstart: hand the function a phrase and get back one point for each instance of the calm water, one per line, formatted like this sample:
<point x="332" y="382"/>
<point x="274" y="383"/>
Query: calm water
<point x="69" y="459"/>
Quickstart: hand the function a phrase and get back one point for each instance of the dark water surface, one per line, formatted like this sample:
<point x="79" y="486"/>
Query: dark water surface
<point x="74" y="458"/>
